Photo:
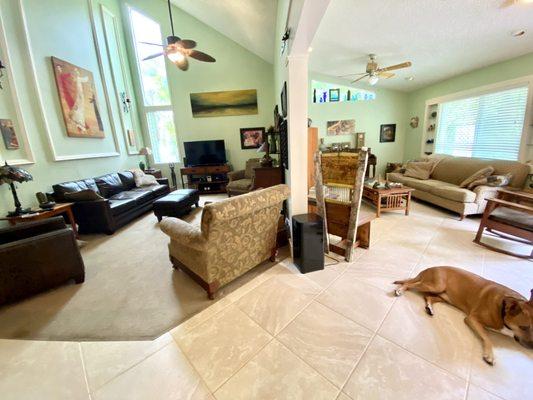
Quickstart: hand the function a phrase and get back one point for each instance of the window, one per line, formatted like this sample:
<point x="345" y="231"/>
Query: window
<point x="485" y="126"/>
<point x="157" y="105"/>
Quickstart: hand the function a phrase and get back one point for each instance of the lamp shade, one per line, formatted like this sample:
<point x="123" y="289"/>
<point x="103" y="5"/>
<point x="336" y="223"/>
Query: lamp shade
<point x="9" y="174"/>
<point x="145" y="151"/>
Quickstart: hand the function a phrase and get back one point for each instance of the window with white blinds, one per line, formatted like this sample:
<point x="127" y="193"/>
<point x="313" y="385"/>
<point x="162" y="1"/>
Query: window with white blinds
<point x="486" y="126"/>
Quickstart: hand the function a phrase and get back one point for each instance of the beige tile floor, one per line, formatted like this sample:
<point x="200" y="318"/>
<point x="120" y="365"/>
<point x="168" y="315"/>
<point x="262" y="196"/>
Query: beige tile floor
<point x="333" y="334"/>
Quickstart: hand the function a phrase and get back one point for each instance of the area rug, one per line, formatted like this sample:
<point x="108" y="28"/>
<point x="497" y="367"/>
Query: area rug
<point x="130" y="291"/>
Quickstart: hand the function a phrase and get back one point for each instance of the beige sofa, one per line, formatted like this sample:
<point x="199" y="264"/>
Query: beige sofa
<point x="236" y="234"/>
<point x="443" y="188"/>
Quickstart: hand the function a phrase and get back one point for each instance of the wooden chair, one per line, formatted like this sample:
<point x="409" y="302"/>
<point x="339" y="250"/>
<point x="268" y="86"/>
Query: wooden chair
<point x="339" y="189"/>
<point x="509" y="216"/>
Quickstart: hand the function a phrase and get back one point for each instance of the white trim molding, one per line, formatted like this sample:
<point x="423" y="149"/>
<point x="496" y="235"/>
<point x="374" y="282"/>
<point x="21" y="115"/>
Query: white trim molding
<point x="527" y="132"/>
<point x="22" y="132"/>
<point x="39" y="96"/>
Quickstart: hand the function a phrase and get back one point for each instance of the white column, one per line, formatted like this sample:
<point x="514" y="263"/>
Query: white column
<point x="297" y="127"/>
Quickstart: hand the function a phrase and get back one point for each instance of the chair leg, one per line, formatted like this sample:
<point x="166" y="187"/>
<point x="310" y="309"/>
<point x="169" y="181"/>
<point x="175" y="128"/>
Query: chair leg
<point x="273" y="254"/>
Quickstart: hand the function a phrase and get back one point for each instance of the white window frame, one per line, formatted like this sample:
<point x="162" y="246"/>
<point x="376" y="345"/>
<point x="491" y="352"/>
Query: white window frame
<point x="144" y="109"/>
<point x="527" y="131"/>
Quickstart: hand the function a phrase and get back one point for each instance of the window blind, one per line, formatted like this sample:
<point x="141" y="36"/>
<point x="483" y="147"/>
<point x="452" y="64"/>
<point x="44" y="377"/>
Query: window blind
<point x="485" y="126"/>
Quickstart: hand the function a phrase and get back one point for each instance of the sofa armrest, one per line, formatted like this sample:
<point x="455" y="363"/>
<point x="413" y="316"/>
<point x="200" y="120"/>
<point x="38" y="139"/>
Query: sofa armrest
<point x="30" y="229"/>
<point x="163" y="181"/>
<point x="483" y="193"/>
<point x="236" y="175"/>
<point x="186" y="234"/>
<point x="94" y="216"/>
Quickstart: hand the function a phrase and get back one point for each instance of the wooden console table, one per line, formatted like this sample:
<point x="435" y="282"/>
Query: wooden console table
<point x="206" y="179"/>
<point x="60" y="208"/>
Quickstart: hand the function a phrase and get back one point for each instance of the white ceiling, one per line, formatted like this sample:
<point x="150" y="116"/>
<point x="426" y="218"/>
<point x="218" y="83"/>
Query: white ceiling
<point x="442" y="38"/>
<point x="250" y="23"/>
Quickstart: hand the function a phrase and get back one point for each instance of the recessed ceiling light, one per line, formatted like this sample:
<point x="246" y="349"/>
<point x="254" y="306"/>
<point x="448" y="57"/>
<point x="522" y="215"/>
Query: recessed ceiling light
<point x="519" y="33"/>
<point x="409" y="78"/>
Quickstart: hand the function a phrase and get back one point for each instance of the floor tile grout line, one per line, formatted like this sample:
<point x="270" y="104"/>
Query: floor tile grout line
<point x="85" y="377"/>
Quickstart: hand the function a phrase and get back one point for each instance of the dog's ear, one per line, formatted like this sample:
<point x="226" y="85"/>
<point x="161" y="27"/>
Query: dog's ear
<point x="511" y="306"/>
<point x="531" y="298"/>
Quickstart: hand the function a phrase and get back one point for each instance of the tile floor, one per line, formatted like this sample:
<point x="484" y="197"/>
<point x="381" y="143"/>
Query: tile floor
<point x="333" y="334"/>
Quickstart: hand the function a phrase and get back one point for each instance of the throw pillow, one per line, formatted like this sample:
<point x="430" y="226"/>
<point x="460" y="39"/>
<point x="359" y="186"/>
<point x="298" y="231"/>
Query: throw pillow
<point x="142" y="179"/>
<point x="493" y="180"/>
<point x="419" y="169"/>
<point x="482" y="173"/>
<point x="82" y="195"/>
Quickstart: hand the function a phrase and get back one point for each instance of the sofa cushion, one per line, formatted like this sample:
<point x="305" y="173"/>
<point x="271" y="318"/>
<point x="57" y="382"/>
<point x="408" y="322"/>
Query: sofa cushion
<point x="419" y="170"/>
<point x="425" y="185"/>
<point x="157" y="190"/>
<point x="128" y="180"/>
<point x="454" y="193"/>
<point x="82" y="195"/>
<point x="73" y="186"/>
<point x="109" y="184"/>
<point x="241" y="184"/>
<point x="139" y="197"/>
<point x="121" y="206"/>
<point x="482" y="173"/>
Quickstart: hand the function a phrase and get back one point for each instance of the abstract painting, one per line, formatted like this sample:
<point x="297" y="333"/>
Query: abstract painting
<point x="224" y="104"/>
<point x="77" y="94"/>
<point x="8" y="134"/>
<point x="342" y="127"/>
<point x="252" y="138"/>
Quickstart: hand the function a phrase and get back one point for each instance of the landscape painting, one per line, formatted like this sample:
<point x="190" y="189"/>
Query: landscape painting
<point x="224" y="104"/>
<point x="342" y="127"/>
<point x="77" y="95"/>
<point x="8" y="134"/>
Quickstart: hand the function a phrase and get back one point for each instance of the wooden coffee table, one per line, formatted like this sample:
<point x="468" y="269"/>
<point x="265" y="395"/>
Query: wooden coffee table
<point x="58" y="209"/>
<point x="389" y="199"/>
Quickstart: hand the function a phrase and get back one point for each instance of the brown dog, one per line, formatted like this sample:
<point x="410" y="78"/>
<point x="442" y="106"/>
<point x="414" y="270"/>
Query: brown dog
<point x="487" y="304"/>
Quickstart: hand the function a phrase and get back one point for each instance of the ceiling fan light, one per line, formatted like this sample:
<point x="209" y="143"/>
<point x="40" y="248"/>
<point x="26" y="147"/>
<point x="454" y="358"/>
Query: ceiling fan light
<point x="373" y="80"/>
<point x="176" y="57"/>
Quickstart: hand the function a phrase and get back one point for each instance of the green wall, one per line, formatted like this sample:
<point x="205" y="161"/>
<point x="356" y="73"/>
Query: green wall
<point x="506" y="70"/>
<point x="389" y="107"/>
<point x="235" y="68"/>
<point x="58" y="28"/>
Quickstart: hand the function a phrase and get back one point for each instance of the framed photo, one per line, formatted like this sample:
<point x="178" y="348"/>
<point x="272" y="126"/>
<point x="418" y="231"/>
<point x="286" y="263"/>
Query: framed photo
<point x="252" y="138"/>
<point x="77" y="96"/>
<point x="334" y="94"/>
<point x="342" y="127"/>
<point x="359" y="140"/>
<point x="284" y="100"/>
<point x="8" y="134"/>
<point x="387" y="133"/>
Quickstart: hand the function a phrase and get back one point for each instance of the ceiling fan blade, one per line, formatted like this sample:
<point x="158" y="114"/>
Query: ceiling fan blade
<point x="385" y="75"/>
<point x="358" y="79"/>
<point x="153" y="56"/>
<point x="152" y="44"/>
<point x="187" y="44"/>
<point x="183" y="64"/>
<point x="198" y="55"/>
<point x="397" y="66"/>
<point x="345" y="76"/>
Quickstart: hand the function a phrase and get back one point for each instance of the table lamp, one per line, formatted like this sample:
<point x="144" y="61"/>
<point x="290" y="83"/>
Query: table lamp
<point x="145" y="151"/>
<point x="9" y="175"/>
<point x="266" y="161"/>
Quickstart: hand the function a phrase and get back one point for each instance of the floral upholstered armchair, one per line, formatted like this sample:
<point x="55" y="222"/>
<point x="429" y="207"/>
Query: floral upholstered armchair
<point x="242" y="181"/>
<point x="236" y="234"/>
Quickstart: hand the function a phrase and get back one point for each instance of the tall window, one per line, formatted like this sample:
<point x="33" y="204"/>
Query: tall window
<point x="486" y="126"/>
<point x="155" y="92"/>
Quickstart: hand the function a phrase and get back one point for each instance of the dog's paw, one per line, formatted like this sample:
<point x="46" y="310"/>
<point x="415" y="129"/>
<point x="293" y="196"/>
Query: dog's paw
<point x="489" y="359"/>
<point x="398" y="292"/>
<point x="429" y="310"/>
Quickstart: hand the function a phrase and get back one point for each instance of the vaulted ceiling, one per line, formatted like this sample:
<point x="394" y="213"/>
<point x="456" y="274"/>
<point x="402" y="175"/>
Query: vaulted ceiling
<point x="442" y="38"/>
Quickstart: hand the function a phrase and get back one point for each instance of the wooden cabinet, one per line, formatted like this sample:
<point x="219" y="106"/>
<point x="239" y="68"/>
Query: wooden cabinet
<point x="267" y="176"/>
<point x="206" y="179"/>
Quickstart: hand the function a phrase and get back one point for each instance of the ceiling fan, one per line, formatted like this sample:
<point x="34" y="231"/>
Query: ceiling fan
<point x="509" y="3"/>
<point x="374" y="73"/>
<point x="178" y="50"/>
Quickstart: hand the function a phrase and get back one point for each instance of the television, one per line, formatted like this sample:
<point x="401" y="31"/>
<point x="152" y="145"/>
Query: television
<point x="205" y="152"/>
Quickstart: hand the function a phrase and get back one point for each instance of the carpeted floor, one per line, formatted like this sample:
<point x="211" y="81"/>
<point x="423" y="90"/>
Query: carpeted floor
<point x="130" y="292"/>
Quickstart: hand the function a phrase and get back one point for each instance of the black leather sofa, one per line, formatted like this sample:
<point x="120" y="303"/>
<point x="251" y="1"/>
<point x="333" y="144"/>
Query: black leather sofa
<point x="122" y="202"/>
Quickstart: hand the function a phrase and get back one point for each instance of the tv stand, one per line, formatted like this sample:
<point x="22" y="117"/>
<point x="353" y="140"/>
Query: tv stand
<point x="206" y="179"/>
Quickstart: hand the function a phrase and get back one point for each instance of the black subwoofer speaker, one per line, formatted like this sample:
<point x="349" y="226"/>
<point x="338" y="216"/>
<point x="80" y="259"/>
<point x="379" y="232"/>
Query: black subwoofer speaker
<point x="307" y="242"/>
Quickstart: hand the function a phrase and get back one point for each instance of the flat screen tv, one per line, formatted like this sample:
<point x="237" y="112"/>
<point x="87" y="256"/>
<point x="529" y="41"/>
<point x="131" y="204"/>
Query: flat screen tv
<point x="205" y="152"/>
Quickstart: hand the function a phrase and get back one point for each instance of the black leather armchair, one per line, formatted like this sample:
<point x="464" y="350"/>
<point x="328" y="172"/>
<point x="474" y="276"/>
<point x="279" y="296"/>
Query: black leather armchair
<point x="37" y="256"/>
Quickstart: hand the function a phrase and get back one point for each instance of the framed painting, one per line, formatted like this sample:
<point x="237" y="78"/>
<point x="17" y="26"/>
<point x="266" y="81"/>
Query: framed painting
<point x="334" y="95"/>
<point x="8" y="134"/>
<point x="252" y="138"/>
<point x="342" y="127"/>
<point x="387" y="133"/>
<point x="224" y="104"/>
<point x="359" y="140"/>
<point x="79" y="103"/>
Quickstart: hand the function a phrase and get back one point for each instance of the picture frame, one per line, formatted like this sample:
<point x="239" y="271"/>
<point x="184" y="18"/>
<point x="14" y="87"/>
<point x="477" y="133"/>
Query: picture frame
<point x="277" y="118"/>
<point x="334" y="95"/>
<point x="284" y="100"/>
<point x="359" y="140"/>
<point x="387" y="133"/>
<point x="252" y="138"/>
<point x="340" y="127"/>
<point x="7" y="129"/>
